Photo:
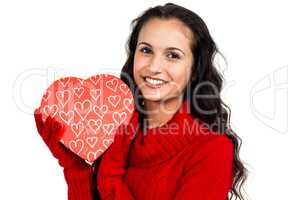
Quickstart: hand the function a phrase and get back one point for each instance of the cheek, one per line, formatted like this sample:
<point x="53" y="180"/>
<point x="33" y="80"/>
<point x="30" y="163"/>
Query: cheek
<point x="140" y="63"/>
<point x="137" y="67"/>
<point x="181" y="77"/>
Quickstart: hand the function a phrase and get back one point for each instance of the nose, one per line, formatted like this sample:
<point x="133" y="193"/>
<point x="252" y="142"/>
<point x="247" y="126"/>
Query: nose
<point x="155" y="65"/>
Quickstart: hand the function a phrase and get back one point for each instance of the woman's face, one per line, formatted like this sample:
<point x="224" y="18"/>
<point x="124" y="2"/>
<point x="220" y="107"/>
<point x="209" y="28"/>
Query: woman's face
<point x="163" y="59"/>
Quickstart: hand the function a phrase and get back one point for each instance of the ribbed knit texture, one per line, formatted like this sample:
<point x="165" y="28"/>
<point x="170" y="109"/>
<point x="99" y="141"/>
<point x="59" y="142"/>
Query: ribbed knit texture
<point x="162" y="143"/>
<point x="79" y="185"/>
<point x="181" y="160"/>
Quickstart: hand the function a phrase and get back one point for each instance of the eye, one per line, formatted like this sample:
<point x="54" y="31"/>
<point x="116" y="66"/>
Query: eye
<point x="173" y="55"/>
<point x="145" y="50"/>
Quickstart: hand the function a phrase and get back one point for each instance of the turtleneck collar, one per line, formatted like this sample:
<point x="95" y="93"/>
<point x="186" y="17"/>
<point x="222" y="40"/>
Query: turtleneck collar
<point x="162" y="143"/>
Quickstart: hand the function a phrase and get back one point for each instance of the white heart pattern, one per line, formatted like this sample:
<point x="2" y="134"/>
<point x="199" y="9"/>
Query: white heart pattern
<point x="91" y="110"/>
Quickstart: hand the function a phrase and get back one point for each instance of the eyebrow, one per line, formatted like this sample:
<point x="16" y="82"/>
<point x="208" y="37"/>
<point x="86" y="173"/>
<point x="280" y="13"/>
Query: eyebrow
<point x="169" y="48"/>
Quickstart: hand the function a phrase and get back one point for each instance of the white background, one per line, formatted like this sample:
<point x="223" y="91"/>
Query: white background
<point x="258" y="38"/>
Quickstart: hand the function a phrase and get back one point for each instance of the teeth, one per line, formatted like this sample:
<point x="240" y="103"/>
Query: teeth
<point x="154" y="81"/>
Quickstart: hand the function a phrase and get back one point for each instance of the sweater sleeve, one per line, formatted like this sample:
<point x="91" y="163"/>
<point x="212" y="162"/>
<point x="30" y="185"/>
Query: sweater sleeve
<point x="119" y="190"/>
<point x="79" y="185"/>
<point x="208" y="177"/>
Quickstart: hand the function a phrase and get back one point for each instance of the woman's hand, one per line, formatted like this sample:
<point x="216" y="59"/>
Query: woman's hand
<point x="113" y="162"/>
<point x="51" y="132"/>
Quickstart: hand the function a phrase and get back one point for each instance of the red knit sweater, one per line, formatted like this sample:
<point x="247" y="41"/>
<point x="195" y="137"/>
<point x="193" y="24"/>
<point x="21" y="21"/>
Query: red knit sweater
<point x="181" y="160"/>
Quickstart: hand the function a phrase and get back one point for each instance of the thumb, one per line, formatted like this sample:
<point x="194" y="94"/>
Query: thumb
<point x="38" y="120"/>
<point x="57" y="131"/>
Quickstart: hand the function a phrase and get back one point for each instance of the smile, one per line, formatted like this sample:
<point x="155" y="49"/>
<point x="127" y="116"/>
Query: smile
<point x="154" y="83"/>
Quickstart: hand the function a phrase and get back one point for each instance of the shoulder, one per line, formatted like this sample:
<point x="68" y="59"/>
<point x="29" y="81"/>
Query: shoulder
<point x="133" y="121"/>
<point x="208" y="139"/>
<point x="214" y="143"/>
<point x="219" y="143"/>
<point x="212" y="148"/>
<point x="134" y="117"/>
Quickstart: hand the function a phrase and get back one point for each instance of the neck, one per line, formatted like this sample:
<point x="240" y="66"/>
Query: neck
<point x="160" y="112"/>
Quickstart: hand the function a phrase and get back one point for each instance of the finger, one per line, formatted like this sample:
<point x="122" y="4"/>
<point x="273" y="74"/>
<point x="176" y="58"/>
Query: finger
<point x="57" y="133"/>
<point x="126" y="137"/>
<point x="121" y="139"/>
<point x="46" y="133"/>
<point x="37" y="110"/>
<point x="118" y="137"/>
<point x="55" y="126"/>
<point x="38" y="120"/>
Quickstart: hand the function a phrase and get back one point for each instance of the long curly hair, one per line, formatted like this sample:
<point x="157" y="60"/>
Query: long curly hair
<point x="204" y="50"/>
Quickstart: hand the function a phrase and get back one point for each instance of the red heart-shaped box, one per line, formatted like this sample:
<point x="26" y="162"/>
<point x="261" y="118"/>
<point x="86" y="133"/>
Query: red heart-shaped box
<point x="90" y="109"/>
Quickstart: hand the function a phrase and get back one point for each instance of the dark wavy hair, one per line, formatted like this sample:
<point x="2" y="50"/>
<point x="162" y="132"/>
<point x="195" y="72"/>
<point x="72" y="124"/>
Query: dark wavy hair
<point x="204" y="73"/>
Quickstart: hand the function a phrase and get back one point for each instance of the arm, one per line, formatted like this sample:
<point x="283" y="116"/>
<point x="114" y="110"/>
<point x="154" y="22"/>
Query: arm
<point x="112" y="170"/>
<point x="113" y="164"/>
<point x="209" y="178"/>
<point x="78" y="174"/>
<point x="80" y="185"/>
<point x="115" y="189"/>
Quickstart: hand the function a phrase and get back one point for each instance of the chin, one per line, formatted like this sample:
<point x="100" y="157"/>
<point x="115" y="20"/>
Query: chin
<point x="157" y="97"/>
<point x="152" y="97"/>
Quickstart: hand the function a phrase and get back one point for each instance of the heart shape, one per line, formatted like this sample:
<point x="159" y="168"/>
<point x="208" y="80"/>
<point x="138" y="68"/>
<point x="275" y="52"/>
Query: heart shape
<point x="91" y="109"/>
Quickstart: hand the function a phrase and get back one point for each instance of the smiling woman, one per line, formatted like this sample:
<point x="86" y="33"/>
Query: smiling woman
<point x="170" y="66"/>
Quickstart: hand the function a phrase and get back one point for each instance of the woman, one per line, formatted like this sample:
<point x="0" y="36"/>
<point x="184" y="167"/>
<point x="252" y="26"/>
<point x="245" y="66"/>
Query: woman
<point x="179" y="144"/>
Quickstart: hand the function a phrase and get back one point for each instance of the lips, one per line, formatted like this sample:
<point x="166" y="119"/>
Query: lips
<point x="154" y="82"/>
